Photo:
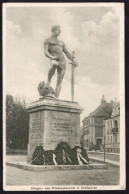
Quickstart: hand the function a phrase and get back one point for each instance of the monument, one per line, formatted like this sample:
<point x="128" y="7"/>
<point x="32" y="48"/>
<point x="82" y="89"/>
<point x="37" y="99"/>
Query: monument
<point x="54" y="125"/>
<point x="52" y="120"/>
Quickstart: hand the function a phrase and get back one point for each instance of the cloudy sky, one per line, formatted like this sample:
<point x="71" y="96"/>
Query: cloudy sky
<point x="92" y="32"/>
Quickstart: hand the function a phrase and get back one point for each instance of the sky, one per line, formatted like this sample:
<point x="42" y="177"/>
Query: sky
<point x="92" y="32"/>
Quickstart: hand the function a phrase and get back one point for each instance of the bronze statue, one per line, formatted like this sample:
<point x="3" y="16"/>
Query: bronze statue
<point x="53" y="49"/>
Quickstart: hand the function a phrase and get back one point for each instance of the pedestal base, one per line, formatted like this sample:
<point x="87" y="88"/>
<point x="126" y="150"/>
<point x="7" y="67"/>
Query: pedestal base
<point x="40" y="168"/>
<point x="53" y="121"/>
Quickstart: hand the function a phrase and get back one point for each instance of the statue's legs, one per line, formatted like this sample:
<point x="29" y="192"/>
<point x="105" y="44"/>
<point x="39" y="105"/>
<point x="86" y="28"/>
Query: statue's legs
<point x="50" y="74"/>
<point x="60" y="75"/>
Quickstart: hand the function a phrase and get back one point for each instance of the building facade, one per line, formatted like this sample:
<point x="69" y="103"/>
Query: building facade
<point x="111" y="130"/>
<point x="93" y="126"/>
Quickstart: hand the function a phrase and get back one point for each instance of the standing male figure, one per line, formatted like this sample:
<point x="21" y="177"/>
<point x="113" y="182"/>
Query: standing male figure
<point x="53" y="49"/>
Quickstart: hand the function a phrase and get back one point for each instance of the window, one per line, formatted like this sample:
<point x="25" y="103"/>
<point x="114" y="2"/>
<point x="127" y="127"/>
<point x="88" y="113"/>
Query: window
<point x="87" y="143"/>
<point x="98" y="131"/>
<point x="86" y="131"/>
<point x="108" y="126"/>
<point x="118" y="110"/>
<point x="115" y="124"/>
<point x="115" y="138"/>
<point x="108" y="139"/>
<point x="111" y="139"/>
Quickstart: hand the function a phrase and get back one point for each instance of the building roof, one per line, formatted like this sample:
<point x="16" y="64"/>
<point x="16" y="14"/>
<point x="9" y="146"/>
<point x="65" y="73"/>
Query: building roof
<point x="104" y="110"/>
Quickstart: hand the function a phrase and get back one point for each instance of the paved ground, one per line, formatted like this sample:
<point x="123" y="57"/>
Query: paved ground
<point x="18" y="177"/>
<point x="16" y="158"/>
<point x="108" y="156"/>
<point x="15" y="176"/>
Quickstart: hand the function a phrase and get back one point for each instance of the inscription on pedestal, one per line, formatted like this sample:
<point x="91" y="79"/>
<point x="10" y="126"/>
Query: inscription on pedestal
<point x="64" y="128"/>
<point x="35" y="122"/>
<point x="36" y="137"/>
<point x="61" y="126"/>
<point x="36" y="131"/>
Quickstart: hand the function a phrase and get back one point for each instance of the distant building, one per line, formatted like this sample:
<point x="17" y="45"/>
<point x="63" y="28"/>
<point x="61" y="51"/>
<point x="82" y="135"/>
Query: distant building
<point x="112" y="129"/>
<point x="93" y="125"/>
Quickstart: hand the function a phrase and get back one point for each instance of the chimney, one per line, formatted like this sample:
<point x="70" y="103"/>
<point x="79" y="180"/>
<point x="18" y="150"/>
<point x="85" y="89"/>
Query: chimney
<point x="103" y="101"/>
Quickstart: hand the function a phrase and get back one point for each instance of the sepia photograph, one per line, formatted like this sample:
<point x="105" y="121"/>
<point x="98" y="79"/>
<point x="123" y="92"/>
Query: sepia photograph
<point x="63" y="96"/>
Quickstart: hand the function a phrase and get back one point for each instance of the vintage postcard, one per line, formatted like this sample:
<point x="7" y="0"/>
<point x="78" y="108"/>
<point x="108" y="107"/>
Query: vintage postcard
<point x="63" y="96"/>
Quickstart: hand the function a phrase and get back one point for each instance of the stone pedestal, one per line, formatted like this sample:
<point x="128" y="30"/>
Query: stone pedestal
<point x="53" y="121"/>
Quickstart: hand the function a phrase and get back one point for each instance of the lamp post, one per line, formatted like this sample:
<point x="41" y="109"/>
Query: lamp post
<point x="104" y="148"/>
<point x="104" y="132"/>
